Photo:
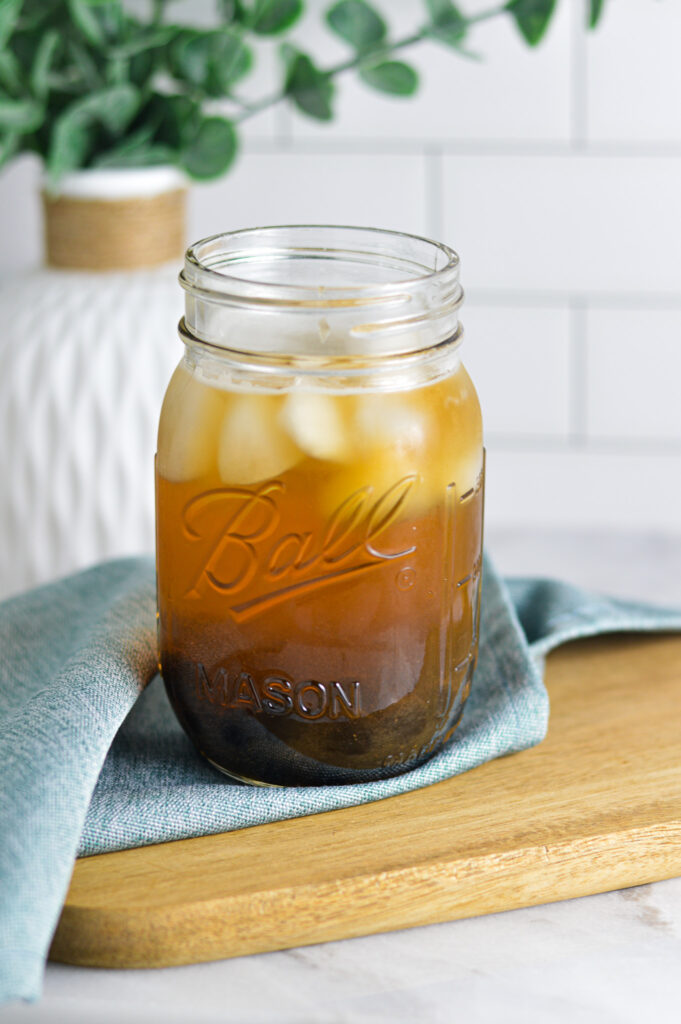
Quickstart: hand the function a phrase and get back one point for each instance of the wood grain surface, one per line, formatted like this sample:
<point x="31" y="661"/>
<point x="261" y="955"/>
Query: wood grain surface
<point x="597" y="806"/>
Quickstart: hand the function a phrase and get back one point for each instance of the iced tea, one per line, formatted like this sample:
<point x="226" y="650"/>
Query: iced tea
<point x="319" y="560"/>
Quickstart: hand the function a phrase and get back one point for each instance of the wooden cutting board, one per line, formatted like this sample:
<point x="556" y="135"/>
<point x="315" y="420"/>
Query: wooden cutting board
<point x="597" y="806"/>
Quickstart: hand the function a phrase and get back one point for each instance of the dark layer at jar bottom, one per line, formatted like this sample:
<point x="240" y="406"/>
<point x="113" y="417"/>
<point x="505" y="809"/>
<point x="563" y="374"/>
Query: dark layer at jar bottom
<point x="334" y="659"/>
<point x="282" y="751"/>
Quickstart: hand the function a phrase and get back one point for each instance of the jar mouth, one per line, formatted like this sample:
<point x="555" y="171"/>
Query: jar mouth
<point x="355" y="290"/>
<point x="270" y="264"/>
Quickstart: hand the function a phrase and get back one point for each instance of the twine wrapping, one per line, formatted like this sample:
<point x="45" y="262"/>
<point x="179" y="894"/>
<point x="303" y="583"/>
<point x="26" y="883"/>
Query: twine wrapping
<point x="118" y="234"/>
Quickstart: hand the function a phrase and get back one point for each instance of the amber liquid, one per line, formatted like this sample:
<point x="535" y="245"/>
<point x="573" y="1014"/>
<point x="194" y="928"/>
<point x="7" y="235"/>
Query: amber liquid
<point x="320" y="625"/>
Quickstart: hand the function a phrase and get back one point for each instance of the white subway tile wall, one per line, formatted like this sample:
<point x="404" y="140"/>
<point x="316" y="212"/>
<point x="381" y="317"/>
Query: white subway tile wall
<point x="291" y="188"/>
<point x="520" y="360"/>
<point x="634" y="374"/>
<point x="578" y="224"/>
<point x="634" y="75"/>
<point x="556" y="174"/>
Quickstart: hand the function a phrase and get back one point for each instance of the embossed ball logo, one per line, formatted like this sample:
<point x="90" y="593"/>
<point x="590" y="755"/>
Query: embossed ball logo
<point x="244" y="558"/>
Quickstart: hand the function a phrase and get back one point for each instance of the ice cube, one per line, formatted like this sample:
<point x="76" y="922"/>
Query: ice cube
<point x="388" y="433"/>
<point x="315" y="423"/>
<point x="252" y="445"/>
<point x="368" y="480"/>
<point x="390" y="420"/>
<point x="188" y="429"/>
<point x="460" y="459"/>
<point x="419" y="435"/>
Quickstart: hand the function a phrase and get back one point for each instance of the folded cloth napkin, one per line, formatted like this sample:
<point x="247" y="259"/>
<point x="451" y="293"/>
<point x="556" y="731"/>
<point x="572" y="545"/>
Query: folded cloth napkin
<point x="89" y="765"/>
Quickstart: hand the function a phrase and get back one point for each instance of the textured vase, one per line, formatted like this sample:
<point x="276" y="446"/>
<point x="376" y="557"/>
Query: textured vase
<point x="86" y="357"/>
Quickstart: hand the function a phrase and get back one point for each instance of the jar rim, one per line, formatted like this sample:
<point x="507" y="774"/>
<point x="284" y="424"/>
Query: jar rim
<point x="336" y="291"/>
<point x="203" y="258"/>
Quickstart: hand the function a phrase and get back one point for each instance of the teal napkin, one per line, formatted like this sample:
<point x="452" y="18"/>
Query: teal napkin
<point x="92" y="761"/>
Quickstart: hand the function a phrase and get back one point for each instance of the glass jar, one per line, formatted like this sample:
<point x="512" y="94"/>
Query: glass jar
<point x="319" y="505"/>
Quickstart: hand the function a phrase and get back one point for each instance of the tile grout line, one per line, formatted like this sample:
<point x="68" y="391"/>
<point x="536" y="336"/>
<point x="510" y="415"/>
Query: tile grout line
<point x="483" y="148"/>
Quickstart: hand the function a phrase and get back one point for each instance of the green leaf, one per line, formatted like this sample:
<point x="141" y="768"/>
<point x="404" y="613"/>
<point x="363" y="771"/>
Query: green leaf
<point x="143" y="65"/>
<point x="595" y="12"/>
<point x="114" y="108"/>
<point x="288" y="54"/>
<point x="532" y="17"/>
<point x="10" y="72"/>
<point x="85" y="18"/>
<point x="391" y="76"/>
<point x="100" y="21"/>
<point x="141" y="137"/>
<point x="117" y="71"/>
<point x="9" y="143"/>
<point x="231" y="11"/>
<point x="9" y="15"/>
<point x="42" y="62"/>
<point x="213" y="61"/>
<point x="211" y="150"/>
<point x="310" y="89"/>
<point x="85" y="66"/>
<point x="176" y="118"/>
<point x="75" y="130"/>
<point x="448" y="23"/>
<point x="20" y="116"/>
<point x="270" y="17"/>
<point x="35" y="12"/>
<point x="143" y="40"/>
<point x="357" y="23"/>
<point x="70" y="146"/>
<point x="112" y="17"/>
<point x="134" y="153"/>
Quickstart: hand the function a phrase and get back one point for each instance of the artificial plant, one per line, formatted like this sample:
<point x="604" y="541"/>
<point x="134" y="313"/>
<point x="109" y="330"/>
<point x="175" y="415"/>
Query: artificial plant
<point x="89" y="83"/>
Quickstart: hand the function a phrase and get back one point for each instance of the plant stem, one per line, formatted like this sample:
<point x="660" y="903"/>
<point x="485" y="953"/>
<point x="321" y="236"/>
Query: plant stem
<point x="251" y="109"/>
<point x="491" y="12"/>
<point x="336" y="69"/>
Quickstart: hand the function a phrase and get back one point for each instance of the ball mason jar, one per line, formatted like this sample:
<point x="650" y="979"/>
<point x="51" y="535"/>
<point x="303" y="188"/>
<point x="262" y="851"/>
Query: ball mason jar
<point x="319" y="505"/>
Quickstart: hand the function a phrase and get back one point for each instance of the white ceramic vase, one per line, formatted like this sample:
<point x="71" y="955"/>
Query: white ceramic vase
<point x="86" y="357"/>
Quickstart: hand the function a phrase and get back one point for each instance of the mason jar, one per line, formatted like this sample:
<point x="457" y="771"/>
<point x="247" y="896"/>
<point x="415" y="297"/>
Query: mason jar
<point x="319" y="505"/>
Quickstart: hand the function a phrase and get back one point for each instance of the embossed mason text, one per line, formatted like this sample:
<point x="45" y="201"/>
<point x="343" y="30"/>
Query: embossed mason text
<point x="279" y="695"/>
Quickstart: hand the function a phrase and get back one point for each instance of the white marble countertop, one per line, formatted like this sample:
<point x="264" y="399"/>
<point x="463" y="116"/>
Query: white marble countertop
<point x="602" y="959"/>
